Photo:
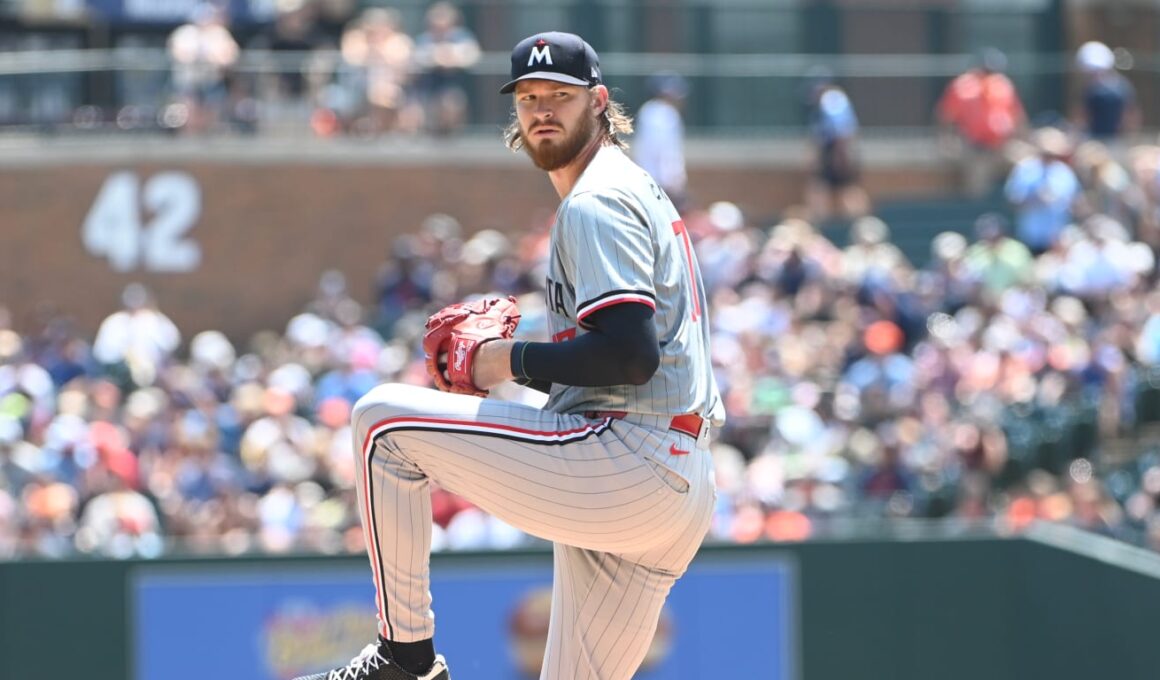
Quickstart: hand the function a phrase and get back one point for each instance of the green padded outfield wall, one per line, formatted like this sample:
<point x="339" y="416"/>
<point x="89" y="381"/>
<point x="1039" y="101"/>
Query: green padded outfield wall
<point x="1055" y="604"/>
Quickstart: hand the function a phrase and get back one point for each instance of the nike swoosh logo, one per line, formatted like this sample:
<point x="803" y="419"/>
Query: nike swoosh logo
<point x="674" y="451"/>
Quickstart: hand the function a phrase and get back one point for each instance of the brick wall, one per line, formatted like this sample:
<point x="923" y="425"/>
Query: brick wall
<point x="265" y="231"/>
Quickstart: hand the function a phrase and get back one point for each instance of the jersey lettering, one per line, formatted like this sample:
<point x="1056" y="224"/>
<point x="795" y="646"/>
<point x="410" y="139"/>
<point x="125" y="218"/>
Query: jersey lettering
<point x="680" y="230"/>
<point x="554" y="296"/>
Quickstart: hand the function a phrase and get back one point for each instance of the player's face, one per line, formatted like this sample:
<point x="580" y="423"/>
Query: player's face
<point x="557" y="121"/>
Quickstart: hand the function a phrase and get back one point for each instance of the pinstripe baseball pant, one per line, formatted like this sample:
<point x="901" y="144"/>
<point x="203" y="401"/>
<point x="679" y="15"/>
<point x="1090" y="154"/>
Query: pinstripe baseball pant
<point x="626" y="502"/>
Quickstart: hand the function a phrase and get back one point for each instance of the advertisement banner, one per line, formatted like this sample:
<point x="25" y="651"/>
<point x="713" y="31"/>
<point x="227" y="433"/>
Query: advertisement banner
<point x="278" y="621"/>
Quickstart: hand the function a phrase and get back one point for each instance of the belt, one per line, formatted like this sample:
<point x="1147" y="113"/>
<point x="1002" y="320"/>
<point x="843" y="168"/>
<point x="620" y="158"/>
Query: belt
<point x="688" y="423"/>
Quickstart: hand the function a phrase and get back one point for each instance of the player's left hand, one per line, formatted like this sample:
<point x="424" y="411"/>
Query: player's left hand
<point x="456" y="332"/>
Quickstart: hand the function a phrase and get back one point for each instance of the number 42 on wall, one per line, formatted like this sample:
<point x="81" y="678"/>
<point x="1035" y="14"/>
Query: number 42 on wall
<point x="142" y="225"/>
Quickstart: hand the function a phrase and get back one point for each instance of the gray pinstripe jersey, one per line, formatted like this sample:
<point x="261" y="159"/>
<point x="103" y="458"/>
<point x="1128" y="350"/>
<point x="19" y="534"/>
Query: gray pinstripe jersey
<point x="617" y="238"/>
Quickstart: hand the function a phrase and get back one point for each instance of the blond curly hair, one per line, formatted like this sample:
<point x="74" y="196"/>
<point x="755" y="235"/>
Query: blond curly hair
<point x="615" y="125"/>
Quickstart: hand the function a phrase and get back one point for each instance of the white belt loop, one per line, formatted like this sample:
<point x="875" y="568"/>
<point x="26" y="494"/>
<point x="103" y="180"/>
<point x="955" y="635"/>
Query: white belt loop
<point x="706" y="431"/>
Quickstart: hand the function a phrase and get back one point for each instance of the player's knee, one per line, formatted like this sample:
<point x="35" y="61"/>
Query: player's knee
<point x="384" y="401"/>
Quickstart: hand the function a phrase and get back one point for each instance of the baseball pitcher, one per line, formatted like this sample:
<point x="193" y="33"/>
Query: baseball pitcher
<point x="615" y="470"/>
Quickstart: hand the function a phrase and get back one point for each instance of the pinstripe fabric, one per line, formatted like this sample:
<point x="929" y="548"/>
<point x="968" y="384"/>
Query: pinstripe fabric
<point x="627" y="517"/>
<point x="618" y="238"/>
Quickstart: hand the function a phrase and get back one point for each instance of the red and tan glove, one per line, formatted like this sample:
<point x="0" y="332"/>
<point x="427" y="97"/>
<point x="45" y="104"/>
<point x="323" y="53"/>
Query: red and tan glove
<point x="455" y="332"/>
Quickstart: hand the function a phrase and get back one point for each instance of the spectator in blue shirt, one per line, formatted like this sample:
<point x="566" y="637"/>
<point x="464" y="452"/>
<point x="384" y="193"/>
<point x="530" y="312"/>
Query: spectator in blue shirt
<point x="1043" y="187"/>
<point x="444" y="54"/>
<point x="1109" y="100"/>
<point x="834" y="132"/>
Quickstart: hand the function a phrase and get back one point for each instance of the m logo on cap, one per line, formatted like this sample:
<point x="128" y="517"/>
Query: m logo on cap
<point x="540" y="53"/>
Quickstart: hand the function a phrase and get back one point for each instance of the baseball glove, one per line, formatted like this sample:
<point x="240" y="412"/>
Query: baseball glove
<point x="455" y="332"/>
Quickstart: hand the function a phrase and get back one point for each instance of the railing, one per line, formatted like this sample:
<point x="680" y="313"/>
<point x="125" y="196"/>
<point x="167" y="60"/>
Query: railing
<point x="77" y="90"/>
<point x="747" y="60"/>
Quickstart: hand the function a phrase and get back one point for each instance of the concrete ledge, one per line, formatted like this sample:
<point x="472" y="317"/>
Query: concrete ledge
<point x="479" y="149"/>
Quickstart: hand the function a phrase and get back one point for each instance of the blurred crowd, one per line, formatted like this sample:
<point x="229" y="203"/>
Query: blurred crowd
<point x="315" y="68"/>
<point x="984" y="130"/>
<point x="986" y="384"/>
<point x="1009" y="378"/>
<point x="329" y="68"/>
<point x="342" y="72"/>
<point x="990" y="382"/>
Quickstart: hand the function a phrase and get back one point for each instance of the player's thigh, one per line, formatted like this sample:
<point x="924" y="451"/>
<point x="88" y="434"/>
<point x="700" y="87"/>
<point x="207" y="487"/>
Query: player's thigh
<point x="434" y="409"/>
<point x="557" y="476"/>
<point x="437" y="430"/>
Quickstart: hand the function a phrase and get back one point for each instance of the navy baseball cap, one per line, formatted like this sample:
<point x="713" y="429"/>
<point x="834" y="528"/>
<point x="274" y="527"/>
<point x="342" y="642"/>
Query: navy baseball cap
<point x="562" y="57"/>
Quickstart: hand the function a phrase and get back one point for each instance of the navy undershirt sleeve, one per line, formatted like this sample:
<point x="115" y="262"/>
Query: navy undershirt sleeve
<point x="620" y="348"/>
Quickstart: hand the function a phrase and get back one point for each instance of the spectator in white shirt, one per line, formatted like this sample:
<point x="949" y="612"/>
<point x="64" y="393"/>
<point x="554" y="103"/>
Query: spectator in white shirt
<point x="659" y="145"/>
<point x="202" y="52"/>
<point x="138" y="337"/>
